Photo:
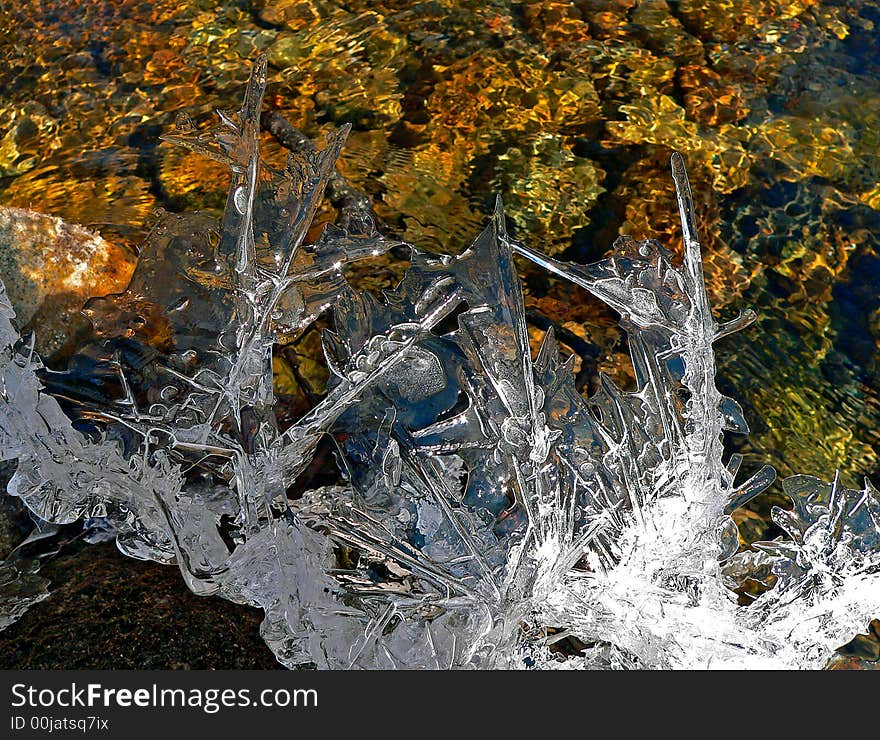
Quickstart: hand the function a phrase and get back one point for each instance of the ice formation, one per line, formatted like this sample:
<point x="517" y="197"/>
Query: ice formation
<point x="487" y="509"/>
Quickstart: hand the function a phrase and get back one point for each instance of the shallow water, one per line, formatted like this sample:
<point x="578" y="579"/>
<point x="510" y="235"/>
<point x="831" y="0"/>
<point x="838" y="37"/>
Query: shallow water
<point x="568" y="109"/>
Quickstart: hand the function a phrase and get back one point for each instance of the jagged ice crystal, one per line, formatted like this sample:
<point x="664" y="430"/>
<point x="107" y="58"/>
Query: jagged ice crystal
<point x="487" y="509"/>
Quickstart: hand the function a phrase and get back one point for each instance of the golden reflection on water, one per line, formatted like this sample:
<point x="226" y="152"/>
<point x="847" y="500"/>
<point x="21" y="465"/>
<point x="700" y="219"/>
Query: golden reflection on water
<point x="569" y="109"/>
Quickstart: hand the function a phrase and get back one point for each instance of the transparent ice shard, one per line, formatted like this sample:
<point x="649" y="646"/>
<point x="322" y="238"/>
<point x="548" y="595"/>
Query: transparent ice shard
<point x="824" y="570"/>
<point x="21" y="587"/>
<point x="487" y="510"/>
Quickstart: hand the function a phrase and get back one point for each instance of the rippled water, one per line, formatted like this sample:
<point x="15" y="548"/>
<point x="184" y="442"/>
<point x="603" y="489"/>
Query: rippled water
<point x="569" y="109"/>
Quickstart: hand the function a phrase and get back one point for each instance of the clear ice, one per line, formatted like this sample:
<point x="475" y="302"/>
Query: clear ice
<point x="486" y="511"/>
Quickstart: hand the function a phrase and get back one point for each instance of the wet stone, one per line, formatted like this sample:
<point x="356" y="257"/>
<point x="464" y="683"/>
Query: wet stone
<point x="51" y="268"/>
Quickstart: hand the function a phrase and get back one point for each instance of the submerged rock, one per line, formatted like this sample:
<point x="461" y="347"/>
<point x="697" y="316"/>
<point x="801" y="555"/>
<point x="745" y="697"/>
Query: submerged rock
<point x="108" y="611"/>
<point x="50" y="269"/>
